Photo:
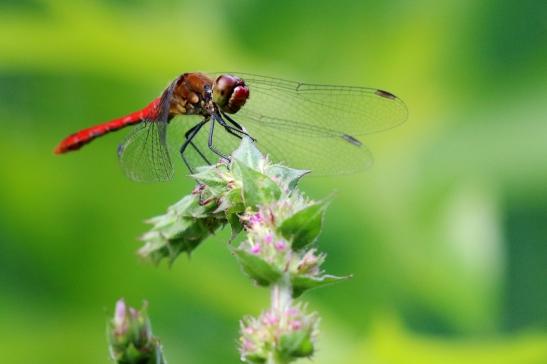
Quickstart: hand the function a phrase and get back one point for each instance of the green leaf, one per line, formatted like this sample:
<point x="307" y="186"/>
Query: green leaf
<point x="189" y="206"/>
<point x="304" y="226"/>
<point x="259" y="270"/>
<point x="181" y="207"/>
<point x="235" y="197"/>
<point x="248" y="154"/>
<point x="300" y="283"/>
<point x="296" y="345"/>
<point x="258" y="189"/>
<point x="254" y="359"/>
<point x="210" y="177"/>
<point x="173" y="236"/>
<point x="175" y="228"/>
<point x="288" y="176"/>
<point x="235" y="224"/>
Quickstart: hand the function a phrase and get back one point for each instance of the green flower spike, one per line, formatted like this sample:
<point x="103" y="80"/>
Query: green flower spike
<point x="281" y="334"/>
<point x="130" y="337"/>
<point x="282" y="226"/>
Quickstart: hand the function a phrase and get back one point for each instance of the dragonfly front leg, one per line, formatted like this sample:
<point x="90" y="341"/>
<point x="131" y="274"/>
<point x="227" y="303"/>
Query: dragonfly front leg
<point x="230" y="131"/>
<point x="238" y="128"/>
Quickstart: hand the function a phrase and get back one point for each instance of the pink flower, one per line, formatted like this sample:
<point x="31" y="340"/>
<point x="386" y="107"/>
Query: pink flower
<point x="120" y="319"/>
<point x="280" y="245"/>
<point x="296" y="325"/>
<point x="293" y="311"/>
<point x="268" y="238"/>
<point x="256" y="218"/>
<point x="269" y="318"/>
<point x="255" y="249"/>
<point x="248" y="345"/>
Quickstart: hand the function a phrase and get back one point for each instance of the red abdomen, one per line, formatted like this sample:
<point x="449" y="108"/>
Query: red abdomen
<point x="77" y="140"/>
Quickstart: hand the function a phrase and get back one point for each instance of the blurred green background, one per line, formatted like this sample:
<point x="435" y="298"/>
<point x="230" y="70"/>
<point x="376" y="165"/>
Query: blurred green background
<point x="446" y="236"/>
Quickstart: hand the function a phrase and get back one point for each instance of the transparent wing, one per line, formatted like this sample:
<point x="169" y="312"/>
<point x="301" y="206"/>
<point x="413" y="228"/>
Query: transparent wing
<point x="323" y="155"/>
<point x="303" y="125"/>
<point x="143" y="154"/>
<point x="321" y="110"/>
<point x="299" y="146"/>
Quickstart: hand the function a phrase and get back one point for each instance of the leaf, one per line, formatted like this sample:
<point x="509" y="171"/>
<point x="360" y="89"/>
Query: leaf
<point x="258" y="269"/>
<point x="304" y="226"/>
<point x="300" y="283"/>
<point x="182" y="206"/>
<point x="175" y="236"/>
<point x="296" y="345"/>
<point x="235" y="224"/>
<point x="248" y="154"/>
<point x="288" y="176"/>
<point x="209" y="176"/>
<point x="258" y="189"/>
<point x="189" y="206"/>
<point x="236" y="201"/>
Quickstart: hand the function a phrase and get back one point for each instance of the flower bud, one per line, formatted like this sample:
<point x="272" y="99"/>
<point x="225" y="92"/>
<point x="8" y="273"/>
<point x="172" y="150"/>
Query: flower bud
<point x="310" y="263"/>
<point x="130" y="337"/>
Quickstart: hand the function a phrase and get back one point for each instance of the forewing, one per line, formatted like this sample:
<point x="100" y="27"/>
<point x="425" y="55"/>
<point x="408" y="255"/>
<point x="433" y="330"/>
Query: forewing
<point x="143" y="154"/>
<point x="316" y="109"/>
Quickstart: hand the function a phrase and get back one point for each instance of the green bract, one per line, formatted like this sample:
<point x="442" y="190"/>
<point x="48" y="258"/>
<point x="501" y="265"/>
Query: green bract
<point x="304" y="226"/>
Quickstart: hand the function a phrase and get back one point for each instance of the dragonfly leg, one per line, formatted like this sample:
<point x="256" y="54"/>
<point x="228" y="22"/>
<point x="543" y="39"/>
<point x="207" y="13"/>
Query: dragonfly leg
<point x="234" y="131"/>
<point x="193" y="134"/>
<point x="233" y="122"/>
<point x="237" y="128"/>
<point x="211" y="146"/>
<point x="198" y="151"/>
<point x="230" y="130"/>
<point x="189" y="135"/>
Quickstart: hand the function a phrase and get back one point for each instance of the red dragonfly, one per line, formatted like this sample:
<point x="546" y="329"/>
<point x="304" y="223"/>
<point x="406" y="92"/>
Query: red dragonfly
<point x="304" y="125"/>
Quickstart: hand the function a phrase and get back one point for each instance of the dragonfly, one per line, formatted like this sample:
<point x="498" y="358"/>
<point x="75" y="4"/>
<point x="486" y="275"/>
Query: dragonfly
<point x="202" y="117"/>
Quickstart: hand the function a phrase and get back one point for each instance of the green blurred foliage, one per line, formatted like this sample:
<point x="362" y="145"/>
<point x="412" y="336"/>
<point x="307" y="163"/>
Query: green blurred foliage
<point x="445" y="236"/>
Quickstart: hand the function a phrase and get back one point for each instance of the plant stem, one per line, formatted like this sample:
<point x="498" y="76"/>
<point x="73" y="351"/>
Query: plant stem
<point x="281" y="301"/>
<point x="282" y="294"/>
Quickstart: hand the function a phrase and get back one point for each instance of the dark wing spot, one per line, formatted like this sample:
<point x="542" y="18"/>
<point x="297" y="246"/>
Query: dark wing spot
<point x="385" y="94"/>
<point x="351" y="140"/>
<point x="120" y="150"/>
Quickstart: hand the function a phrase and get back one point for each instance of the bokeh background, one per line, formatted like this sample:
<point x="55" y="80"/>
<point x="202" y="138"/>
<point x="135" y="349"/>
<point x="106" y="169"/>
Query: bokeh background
<point x="446" y="235"/>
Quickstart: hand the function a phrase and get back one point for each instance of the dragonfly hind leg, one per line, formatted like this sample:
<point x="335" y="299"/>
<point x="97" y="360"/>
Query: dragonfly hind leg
<point x="211" y="136"/>
<point x="189" y="136"/>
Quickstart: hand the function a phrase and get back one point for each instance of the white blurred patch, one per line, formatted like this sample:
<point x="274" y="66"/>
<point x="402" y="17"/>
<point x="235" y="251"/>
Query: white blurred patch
<point x="472" y="230"/>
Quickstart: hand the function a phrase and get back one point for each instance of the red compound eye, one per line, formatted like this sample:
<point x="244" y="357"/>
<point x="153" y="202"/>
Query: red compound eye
<point x="230" y="93"/>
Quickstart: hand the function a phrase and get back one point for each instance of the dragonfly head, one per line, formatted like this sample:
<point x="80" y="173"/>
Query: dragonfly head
<point x="230" y="93"/>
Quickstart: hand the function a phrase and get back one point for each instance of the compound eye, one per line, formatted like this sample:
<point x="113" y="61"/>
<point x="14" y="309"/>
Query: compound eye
<point x="222" y="89"/>
<point x="238" y="99"/>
